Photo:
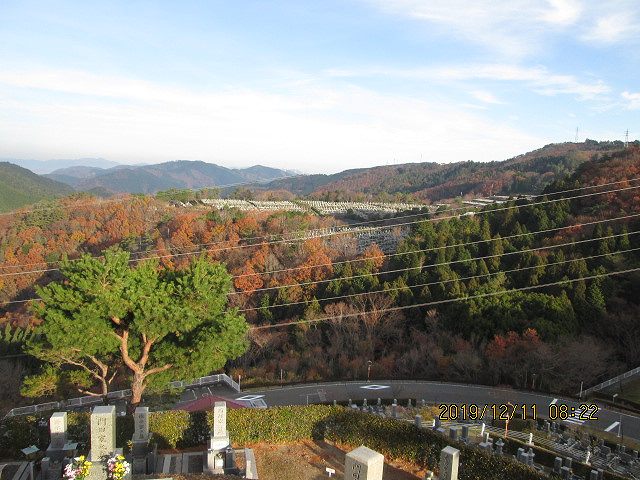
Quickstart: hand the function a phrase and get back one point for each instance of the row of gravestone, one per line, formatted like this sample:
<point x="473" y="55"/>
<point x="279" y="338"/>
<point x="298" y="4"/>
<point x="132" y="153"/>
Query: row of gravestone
<point x="461" y="433"/>
<point x="219" y="457"/>
<point x="366" y="464"/>
<point x="103" y="442"/>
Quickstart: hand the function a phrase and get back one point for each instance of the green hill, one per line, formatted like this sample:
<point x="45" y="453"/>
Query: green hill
<point x="19" y="187"/>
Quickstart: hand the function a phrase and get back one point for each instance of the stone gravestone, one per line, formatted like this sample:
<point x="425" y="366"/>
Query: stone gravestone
<point x="394" y="411"/>
<point x="449" y="462"/>
<point x="219" y="440"/>
<point x="465" y="433"/>
<point x="363" y="464"/>
<point x="103" y="431"/>
<point x="141" y="424"/>
<point x="58" y="431"/>
<point x="140" y="440"/>
<point x="103" y="440"/>
<point x="530" y="456"/>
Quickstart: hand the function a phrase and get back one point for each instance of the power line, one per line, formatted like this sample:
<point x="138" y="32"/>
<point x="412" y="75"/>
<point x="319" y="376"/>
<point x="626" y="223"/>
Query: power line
<point x="384" y="290"/>
<point x="475" y="242"/>
<point x="466" y="208"/>
<point x="438" y="302"/>
<point x="441" y="302"/>
<point x="329" y="234"/>
<point x="451" y="262"/>
<point x="382" y="220"/>
<point x="431" y="249"/>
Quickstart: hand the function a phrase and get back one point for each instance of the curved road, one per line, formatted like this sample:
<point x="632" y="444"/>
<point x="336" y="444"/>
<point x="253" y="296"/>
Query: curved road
<point x="437" y="393"/>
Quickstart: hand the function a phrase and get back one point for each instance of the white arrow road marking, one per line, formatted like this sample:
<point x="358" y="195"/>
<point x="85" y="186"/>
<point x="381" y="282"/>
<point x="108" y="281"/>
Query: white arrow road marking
<point x="249" y="398"/>
<point x="612" y="426"/>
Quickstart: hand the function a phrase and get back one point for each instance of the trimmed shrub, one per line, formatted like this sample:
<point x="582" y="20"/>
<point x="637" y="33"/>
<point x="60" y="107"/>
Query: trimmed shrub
<point x="404" y="441"/>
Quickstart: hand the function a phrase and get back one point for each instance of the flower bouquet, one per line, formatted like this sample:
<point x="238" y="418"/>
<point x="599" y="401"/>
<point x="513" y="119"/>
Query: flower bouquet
<point x="117" y="468"/>
<point x="78" y="469"/>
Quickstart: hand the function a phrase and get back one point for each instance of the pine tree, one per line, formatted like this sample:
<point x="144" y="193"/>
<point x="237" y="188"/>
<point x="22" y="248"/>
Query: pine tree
<point x="596" y="301"/>
<point x="158" y="324"/>
<point x="623" y="240"/>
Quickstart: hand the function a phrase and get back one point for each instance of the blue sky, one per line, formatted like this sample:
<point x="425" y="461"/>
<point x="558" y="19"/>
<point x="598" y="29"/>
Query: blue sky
<point x="314" y="86"/>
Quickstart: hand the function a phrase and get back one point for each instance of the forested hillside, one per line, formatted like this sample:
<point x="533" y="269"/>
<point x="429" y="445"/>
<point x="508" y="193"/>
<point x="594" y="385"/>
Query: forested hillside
<point x="527" y="173"/>
<point x="19" y="186"/>
<point x="516" y="295"/>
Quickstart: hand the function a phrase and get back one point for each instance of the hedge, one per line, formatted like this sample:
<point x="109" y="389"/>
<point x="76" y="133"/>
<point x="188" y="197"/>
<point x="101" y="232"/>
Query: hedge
<point x="179" y="429"/>
<point x="404" y="441"/>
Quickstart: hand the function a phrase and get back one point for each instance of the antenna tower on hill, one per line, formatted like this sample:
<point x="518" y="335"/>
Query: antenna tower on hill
<point x="626" y="138"/>
<point x="577" y="130"/>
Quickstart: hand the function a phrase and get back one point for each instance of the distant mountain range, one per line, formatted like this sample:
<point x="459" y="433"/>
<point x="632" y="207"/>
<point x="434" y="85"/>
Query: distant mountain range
<point x="527" y="173"/>
<point x="19" y="186"/>
<point x="163" y="176"/>
<point x="47" y="166"/>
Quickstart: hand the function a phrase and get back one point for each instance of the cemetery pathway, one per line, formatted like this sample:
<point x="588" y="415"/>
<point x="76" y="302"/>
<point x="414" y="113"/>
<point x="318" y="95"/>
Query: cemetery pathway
<point x="438" y="393"/>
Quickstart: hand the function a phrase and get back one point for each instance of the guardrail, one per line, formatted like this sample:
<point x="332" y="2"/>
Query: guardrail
<point x="119" y="394"/>
<point x="612" y="381"/>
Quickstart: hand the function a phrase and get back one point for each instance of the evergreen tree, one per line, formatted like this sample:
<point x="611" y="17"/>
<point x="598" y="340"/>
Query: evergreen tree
<point x="158" y="324"/>
<point x="265" y="311"/>
<point x="595" y="300"/>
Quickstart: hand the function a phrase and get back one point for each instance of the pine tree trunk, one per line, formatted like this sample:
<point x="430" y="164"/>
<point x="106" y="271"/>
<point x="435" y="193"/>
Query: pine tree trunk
<point x="137" y="388"/>
<point x="105" y="386"/>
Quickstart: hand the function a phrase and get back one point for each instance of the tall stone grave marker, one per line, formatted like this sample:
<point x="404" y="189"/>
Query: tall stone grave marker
<point x="219" y="441"/>
<point x="363" y="464"/>
<point x="449" y="462"/>
<point x="103" y="440"/>
<point x="140" y="449"/>
<point x="103" y="431"/>
<point x="58" y="431"/>
<point x="141" y="424"/>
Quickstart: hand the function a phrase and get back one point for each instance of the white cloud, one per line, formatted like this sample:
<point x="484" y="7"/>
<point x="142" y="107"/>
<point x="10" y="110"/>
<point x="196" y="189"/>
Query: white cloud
<point x="632" y="100"/>
<point x="313" y="127"/>
<point x="511" y="27"/>
<point x="538" y="78"/>
<point x="485" y="97"/>
<point x="562" y="12"/>
<point x="612" y="28"/>
<point x="522" y="27"/>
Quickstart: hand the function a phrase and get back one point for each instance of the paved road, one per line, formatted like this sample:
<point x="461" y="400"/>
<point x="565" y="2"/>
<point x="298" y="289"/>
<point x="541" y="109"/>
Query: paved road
<point x="437" y="393"/>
